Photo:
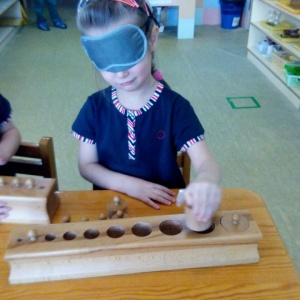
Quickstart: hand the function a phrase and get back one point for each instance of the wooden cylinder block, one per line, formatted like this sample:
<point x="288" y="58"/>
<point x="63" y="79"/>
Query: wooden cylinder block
<point x="115" y="205"/>
<point x="193" y="224"/>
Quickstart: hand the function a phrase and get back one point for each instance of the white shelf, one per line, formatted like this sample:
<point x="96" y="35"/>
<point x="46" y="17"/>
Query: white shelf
<point x="258" y="32"/>
<point x="9" y="9"/>
<point x="293" y="48"/>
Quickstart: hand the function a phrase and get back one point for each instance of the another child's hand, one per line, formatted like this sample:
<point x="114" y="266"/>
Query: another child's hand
<point x="150" y="193"/>
<point x="4" y="210"/>
<point x="204" y="197"/>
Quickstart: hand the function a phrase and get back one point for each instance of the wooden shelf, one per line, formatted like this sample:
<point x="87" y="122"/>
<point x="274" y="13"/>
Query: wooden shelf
<point x="259" y="32"/>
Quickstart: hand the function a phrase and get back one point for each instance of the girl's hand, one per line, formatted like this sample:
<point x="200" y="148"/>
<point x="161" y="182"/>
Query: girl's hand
<point x="150" y="193"/>
<point x="204" y="198"/>
<point x="4" y="210"/>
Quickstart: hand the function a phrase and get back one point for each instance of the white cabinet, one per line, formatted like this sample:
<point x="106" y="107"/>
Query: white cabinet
<point x="9" y="10"/>
<point x="258" y="32"/>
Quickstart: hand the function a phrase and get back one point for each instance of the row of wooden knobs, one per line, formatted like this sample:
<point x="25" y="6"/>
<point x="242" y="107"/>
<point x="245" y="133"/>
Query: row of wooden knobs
<point x="17" y="183"/>
<point x="116" y="209"/>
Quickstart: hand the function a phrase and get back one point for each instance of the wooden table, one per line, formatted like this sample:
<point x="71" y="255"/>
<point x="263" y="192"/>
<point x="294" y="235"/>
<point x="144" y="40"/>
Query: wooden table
<point x="274" y="277"/>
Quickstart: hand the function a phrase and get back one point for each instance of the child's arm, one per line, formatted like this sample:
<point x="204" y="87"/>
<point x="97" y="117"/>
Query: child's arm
<point x="138" y="188"/>
<point x="204" y="193"/>
<point x="9" y="141"/>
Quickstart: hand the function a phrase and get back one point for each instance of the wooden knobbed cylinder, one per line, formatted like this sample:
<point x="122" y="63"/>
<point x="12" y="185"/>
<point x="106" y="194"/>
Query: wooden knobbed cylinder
<point x="119" y="215"/>
<point x="193" y="224"/>
<point x="116" y="204"/>
<point x="66" y="219"/>
<point x="29" y="183"/>
<point x="32" y="235"/>
<point x="15" y="183"/>
<point x="102" y="216"/>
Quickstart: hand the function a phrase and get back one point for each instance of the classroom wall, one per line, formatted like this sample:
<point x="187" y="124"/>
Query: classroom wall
<point x="208" y="12"/>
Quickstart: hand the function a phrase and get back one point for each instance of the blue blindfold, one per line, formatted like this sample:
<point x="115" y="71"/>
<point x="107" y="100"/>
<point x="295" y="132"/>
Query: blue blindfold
<point x="118" y="50"/>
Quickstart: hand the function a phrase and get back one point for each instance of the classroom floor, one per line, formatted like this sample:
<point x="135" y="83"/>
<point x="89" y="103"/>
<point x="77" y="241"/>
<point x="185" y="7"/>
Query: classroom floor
<point x="255" y="135"/>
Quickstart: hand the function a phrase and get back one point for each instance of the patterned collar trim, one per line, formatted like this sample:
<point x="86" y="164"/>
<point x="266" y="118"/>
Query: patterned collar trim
<point x="145" y="108"/>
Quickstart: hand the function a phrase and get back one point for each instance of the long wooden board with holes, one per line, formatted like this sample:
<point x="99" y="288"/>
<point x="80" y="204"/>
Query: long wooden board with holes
<point x="131" y="245"/>
<point x="32" y="200"/>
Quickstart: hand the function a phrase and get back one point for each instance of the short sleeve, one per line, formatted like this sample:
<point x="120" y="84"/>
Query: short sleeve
<point x="83" y="127"/>
<point x="188" y="128"/>
<point x="5" y="111"/>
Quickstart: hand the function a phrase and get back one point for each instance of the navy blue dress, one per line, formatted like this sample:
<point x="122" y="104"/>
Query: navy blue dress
<point x="142" y="143"/>
<point x="5" y="111"/>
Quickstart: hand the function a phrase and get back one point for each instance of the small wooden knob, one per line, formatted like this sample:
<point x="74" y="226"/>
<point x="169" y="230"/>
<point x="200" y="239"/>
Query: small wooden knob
<point x="120" y="214"/>
<point x="66" y="219"/>
<point x="235" y="219"/>
<point x="2" y="182"/>
<point x="114" y="205"/>
<point x="29" y="183"/>
<point x="102" y="216"/>
<point x="32" y="235"/>
<point x="85" y="219"/>
<point x="117" y="200"/>
<point x="15" y="183"/>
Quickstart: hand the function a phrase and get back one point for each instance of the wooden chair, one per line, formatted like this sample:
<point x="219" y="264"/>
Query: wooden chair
<point x="184" y="163"/>
<point x="33" y="159"/>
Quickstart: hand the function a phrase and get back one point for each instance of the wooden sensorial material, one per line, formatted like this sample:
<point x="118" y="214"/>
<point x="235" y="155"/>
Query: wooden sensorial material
<point x="131" y="245"/>
<point x="32" y="200"/>
<point x="115" y="206"/>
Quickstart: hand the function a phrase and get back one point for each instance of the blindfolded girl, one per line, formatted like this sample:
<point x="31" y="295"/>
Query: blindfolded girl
<point x="130" y="132"/>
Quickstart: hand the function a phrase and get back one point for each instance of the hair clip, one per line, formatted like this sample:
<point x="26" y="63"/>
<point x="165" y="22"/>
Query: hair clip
<point x="157" y="75"/>
<point x="131" y="3"/>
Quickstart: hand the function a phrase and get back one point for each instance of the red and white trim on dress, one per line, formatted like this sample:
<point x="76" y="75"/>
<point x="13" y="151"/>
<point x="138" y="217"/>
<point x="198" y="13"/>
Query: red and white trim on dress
<point x="82" y="138"/>
<point x="132" y="114"/>
<point x="7" y="120"/>
<point x="192" y="142"/>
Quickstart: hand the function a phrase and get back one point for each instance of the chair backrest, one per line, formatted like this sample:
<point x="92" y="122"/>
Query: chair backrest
<point x="33" y="159"/>
<point x="184" y="163"/>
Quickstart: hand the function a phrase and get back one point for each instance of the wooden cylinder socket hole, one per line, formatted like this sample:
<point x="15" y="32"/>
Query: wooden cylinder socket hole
<point x="141" y="229"/>
<point x="69" y="235"/>
<point x="50" y="237"/>
<point x="91" y="234"/>
<point x="115" y="231"/>
<point x="170" y="227"/>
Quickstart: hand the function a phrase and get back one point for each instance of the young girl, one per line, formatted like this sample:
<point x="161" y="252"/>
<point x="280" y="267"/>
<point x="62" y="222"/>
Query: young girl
<point x="131" y="131"/>
<point x="9" y="142"/>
